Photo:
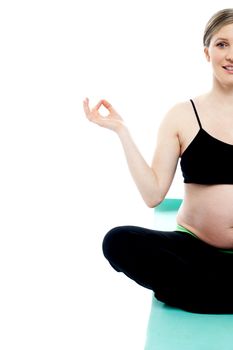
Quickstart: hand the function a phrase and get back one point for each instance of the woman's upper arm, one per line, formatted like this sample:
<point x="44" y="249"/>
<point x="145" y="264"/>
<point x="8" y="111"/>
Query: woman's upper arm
<point x="167" y="151"/>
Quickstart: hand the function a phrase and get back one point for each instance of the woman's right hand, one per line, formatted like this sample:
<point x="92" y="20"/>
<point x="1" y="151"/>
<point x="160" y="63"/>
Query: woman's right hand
<point x="112" y="121"/>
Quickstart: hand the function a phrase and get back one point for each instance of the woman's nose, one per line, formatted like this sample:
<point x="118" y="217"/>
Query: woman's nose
<point x="229" y="55"/>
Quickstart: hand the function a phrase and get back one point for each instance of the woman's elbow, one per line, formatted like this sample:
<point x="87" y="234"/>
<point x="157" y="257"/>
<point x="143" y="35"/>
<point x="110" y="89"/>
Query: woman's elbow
<point x="152" y="203"/>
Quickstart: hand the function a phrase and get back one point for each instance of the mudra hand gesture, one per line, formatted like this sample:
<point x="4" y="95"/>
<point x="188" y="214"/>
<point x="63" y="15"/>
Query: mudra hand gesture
<point x="112" y="121"/>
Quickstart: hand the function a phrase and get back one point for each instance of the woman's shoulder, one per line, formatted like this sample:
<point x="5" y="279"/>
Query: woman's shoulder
<point x="183" y="111"/>
<point x="178" y="113"/>
<point x="180" y="119"/>
<point x="184" y="106"/>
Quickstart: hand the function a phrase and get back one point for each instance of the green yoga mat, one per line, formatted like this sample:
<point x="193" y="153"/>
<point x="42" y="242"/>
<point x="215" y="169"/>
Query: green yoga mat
<point x="170" y="328"/>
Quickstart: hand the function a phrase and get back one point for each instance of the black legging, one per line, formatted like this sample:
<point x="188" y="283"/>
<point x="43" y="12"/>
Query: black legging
<point x="182" y="270"/>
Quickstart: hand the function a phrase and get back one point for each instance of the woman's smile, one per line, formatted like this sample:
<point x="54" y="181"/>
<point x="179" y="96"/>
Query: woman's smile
<point x="228" y="69"/>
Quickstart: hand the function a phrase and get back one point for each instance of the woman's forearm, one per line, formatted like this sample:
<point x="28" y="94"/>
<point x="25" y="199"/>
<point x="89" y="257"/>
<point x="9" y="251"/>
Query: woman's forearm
<point x="143" y="175"/>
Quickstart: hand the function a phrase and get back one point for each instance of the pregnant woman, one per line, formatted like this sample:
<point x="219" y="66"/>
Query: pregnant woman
<point x="192" y="266"/>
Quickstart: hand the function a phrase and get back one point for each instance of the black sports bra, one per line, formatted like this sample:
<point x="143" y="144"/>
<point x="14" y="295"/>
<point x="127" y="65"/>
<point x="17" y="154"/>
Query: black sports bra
<point x="207" y="160"/>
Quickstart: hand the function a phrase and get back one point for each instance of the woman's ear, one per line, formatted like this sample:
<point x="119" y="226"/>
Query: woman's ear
<point x="207" y="55"/>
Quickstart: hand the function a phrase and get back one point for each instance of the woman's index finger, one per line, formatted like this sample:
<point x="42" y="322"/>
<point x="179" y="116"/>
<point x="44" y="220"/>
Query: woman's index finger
<point x="108" y="105"/>
<point x="98" y="104"/>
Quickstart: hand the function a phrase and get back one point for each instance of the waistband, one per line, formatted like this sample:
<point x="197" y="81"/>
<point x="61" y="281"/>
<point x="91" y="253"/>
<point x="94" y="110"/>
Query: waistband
<point x="183" y="229"/>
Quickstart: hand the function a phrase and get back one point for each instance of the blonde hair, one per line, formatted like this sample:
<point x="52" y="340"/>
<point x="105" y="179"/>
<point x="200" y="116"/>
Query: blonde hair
<point x="215" y="23"/>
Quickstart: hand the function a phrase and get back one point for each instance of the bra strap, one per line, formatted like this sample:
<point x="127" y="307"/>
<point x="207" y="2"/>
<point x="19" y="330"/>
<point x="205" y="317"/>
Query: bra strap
<point x="198" y="119"/>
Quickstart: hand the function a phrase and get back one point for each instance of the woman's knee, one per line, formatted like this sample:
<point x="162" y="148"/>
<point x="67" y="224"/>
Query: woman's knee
<point x="113" y="241"/>
<point x="129" y="241"/>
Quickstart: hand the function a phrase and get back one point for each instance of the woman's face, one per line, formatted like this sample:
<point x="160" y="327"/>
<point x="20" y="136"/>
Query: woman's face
<point x="220" y="54"/>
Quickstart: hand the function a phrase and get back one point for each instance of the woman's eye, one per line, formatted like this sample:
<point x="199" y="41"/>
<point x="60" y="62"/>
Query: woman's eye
<point x="222" y="45"/>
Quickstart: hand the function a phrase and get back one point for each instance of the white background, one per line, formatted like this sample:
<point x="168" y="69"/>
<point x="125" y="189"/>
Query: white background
<point x="63" y="181"/>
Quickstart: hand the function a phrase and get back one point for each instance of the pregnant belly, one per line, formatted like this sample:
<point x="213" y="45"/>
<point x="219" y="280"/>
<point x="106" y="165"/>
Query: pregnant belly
<point x="207" y="211"/>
